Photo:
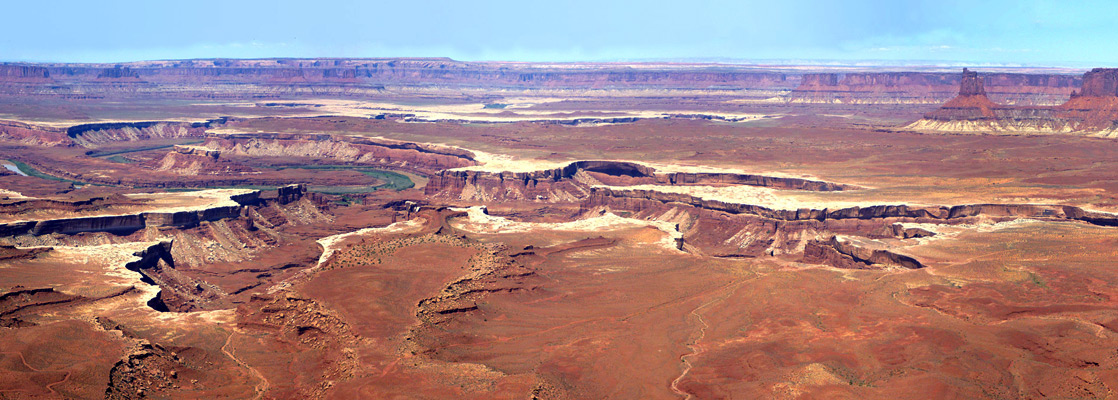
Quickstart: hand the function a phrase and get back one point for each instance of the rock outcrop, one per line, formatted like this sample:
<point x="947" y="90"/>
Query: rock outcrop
<point x="342" y="149"/>
<point x="1092" y="110"/>
<point x="93" y="135"/>
<point x="928" y="87"/>
<point x="118" y="73"/>
<point x="194" y="161"/>
<point x="177" y="291"/>
<point x="636" y="199"/>
<point x="573" y="181"/>
<point x="842" y="254"/>
<point x="970" y="104"/>
<point x="1099" y="82"/>
<point x="745" y="230"/>
<point x="128" y="223"/>
<point x="34" y="135"/>
<point x="23" y="74"/>
<point x="262" y="78"/>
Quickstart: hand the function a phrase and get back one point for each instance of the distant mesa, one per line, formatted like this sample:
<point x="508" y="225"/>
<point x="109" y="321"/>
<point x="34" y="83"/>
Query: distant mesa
<point x="238" y="78"/>
<point x="118" y="73"/>
<point x="1092" y="110"/>
<point x="24" y="74"/>
<point x="930" y="87"/>
<point x="271" y="78"/>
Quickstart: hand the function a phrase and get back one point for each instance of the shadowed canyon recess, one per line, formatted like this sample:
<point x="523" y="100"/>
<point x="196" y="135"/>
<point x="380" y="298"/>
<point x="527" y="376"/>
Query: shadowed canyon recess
<point x="429" y="228"/>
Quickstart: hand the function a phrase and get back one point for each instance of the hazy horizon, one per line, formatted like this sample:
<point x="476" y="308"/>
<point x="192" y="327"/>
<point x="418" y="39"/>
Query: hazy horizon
<point x="997" y="33"/>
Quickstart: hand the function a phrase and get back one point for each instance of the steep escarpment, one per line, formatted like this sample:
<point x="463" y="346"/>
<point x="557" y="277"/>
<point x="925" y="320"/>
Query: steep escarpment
<point x="24" y="207"/>
<point x="729" y="229"/>
<point x="177" y="291"/>
<point x="23" y="74"/>
<point x="118" y="73"/>
<point x="194" y="161"/>
<point x="1095" y="106"/>
<point x="573" y="181"/>
<point x="847" y="255"/>
<point x="98" y="134"/>
<point x="263" y="78"/>
<point x="94" y="135"/>
<point x="1092" y="110"/>
<point x="181" y="217"/>
<point x="344" y="149"/>
<point x="37" y="135"/>
<point x="927" y="88"/>
<point x="886" y="87"/>
<point x="121" y="224"/>
<point x="971" y="103"/>
<point x="635" y="199"/>
<point x="1099" y="82"/>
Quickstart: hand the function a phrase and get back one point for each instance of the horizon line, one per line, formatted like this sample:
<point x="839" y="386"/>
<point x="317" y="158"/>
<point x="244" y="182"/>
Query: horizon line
<point x="727" y="61"/>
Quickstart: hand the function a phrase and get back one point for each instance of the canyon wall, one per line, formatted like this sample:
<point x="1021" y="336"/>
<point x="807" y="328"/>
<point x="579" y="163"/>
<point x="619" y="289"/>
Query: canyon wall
<point x="1099" y="82"/>
<point x="277" y="78"/>
<point x="342" y="149"/>
<point x="98" y="134"/>
<point x="128" y="223"/>
<point x="36" y="135"/>
<point x="273" y="77"/>
<point x="841" y="254"/>
<point x="93" y="135"/>
<point x="638" y="199"/>
<point x="928" y="88"/>
<point x="573" y="181"/>
<point x="24" y="74"/>
<point x="744" y="230"/>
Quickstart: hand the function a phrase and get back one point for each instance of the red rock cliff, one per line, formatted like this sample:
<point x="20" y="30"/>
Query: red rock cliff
<point x="929" y="87"/>
<point x="1092" y="109"/>
<point x="971" y="84"/>
<point x="1100" y="82"/>
<point x="23" y="73"/>
<point x="970" y="104"/>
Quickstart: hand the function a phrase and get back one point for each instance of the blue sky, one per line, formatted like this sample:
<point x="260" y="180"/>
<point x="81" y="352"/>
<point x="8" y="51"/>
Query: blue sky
<point x="1052" y="33"/>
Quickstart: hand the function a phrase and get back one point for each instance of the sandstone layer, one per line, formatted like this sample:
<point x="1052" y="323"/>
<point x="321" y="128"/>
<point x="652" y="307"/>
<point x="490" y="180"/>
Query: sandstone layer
<point x="1089" y="111"/>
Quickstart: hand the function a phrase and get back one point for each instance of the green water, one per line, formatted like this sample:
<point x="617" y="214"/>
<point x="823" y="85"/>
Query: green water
<point x="27" y="169"/>
<point x="393" y="180"/>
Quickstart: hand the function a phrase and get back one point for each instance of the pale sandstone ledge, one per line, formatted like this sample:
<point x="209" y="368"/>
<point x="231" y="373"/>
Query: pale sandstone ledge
<point x="185" y="209"/>
<point x="478" y="220"/>
<point x="754" y="195"/>
<point x="1005" y="128"/>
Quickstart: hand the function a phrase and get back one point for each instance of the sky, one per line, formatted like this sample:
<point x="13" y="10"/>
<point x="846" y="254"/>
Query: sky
<point x="995" y="32"/>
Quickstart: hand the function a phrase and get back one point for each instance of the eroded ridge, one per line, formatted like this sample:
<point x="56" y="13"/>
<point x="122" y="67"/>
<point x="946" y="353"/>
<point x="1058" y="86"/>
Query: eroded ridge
<point x="401" y="228"/>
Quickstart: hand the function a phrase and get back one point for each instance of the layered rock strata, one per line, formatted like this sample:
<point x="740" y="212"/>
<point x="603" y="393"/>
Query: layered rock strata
<point x="93" y="135"/>
<point x="572" y="182"/>
<point x="127" y="223"/>
<point x="927" y="88"/>
<point x="726" y="229"/>
<point x="1092" y="110"/>
<point x="342" y="149"/>
<point x="265" y="78"/>
<point x="846" y="255"/>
